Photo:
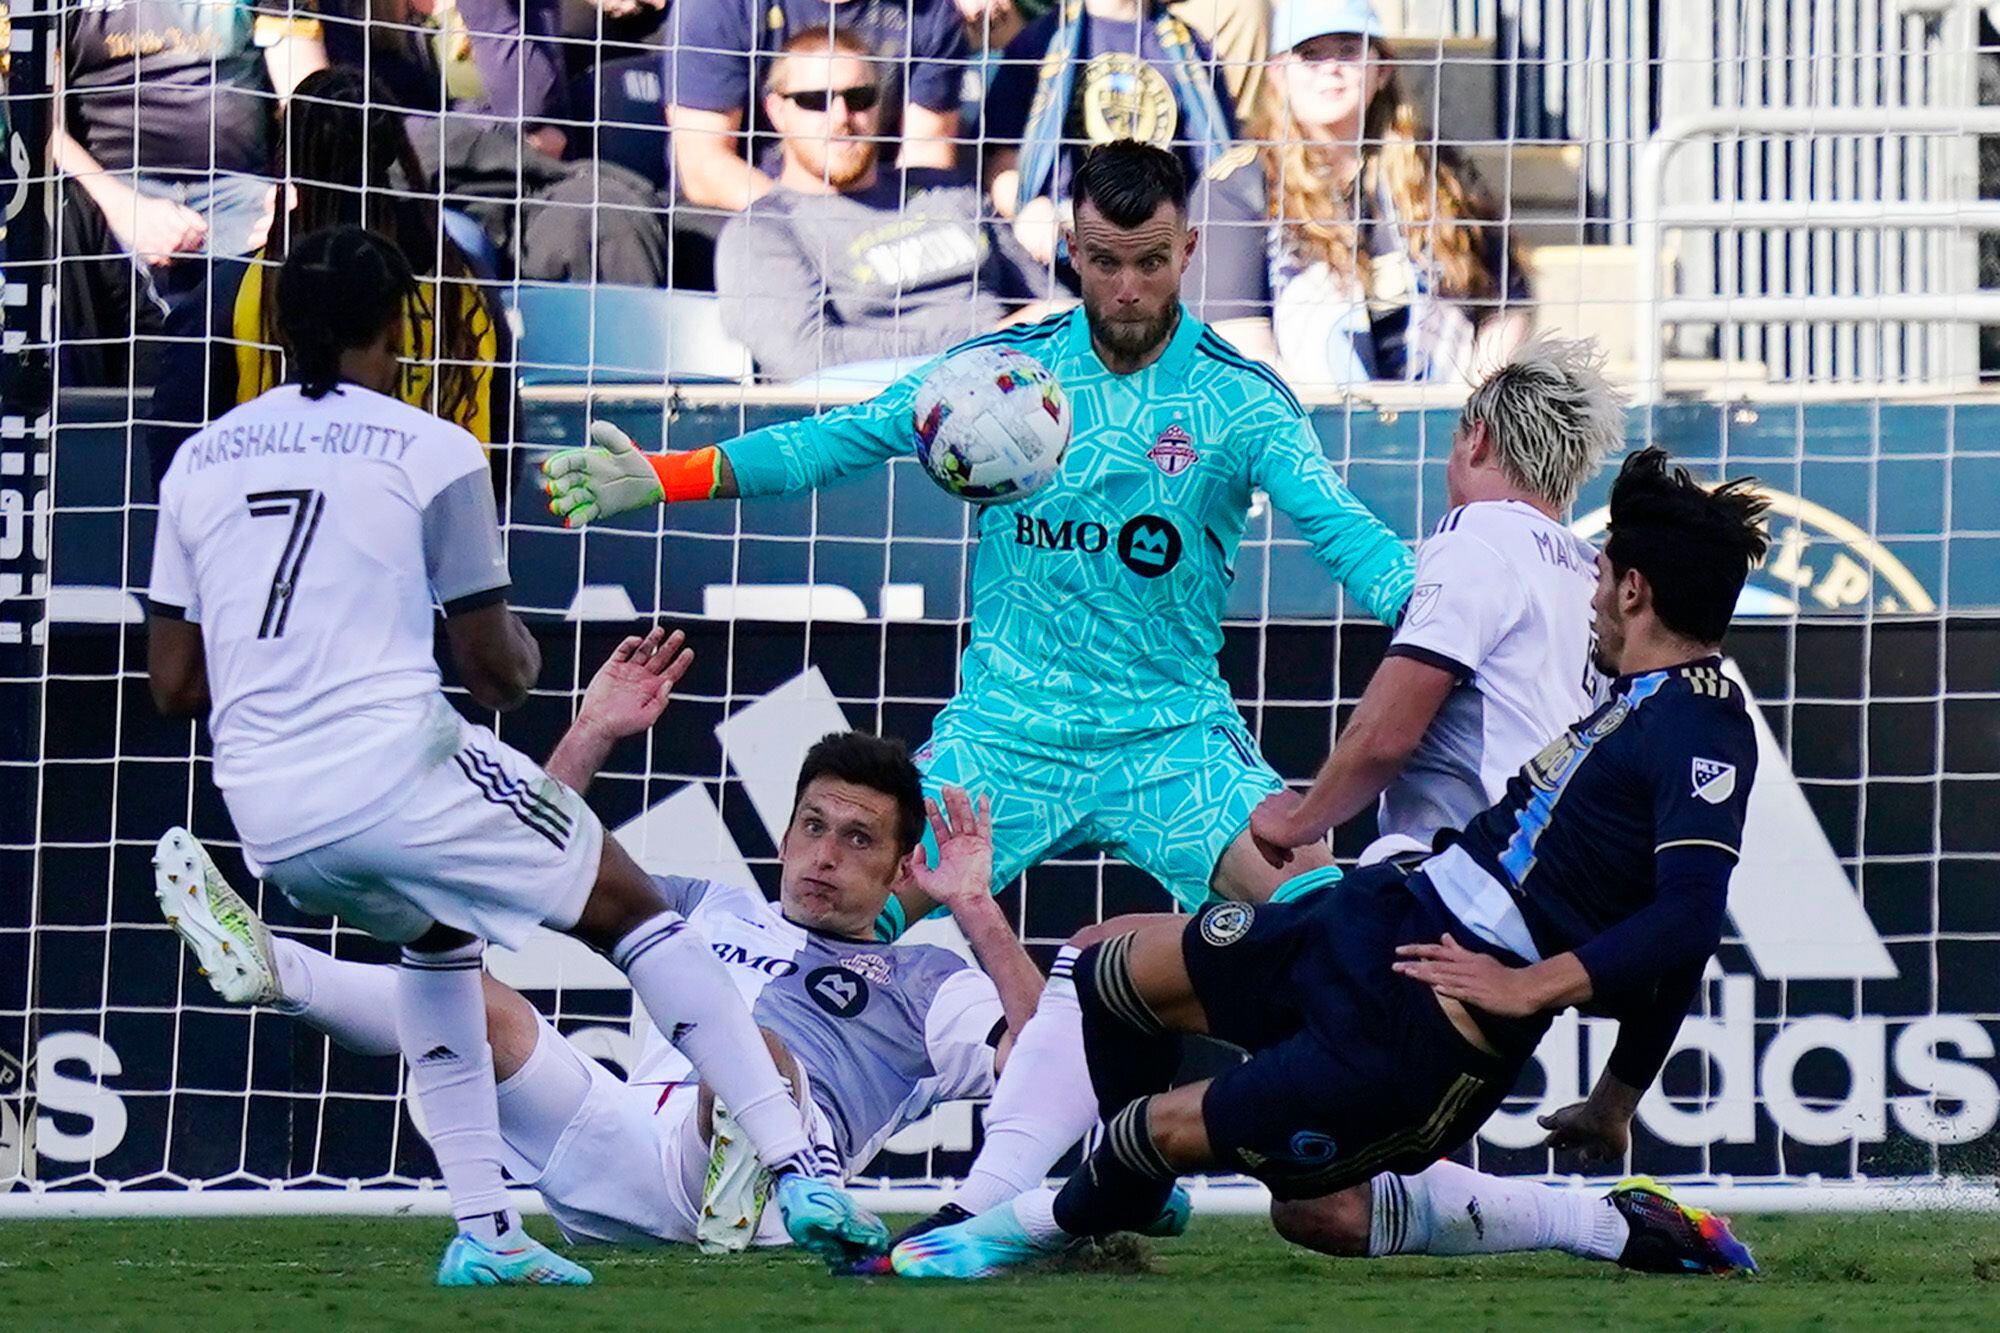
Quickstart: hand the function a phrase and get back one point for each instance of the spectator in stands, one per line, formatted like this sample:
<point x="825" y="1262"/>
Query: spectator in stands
<point x="720" y="54"/>
<point x="847" y="260"/>
<point x="466" y="96"/>
<point x="163" y="139"/>
<point x="1343" y="246"/>
<point x="1090" y="72"/>
<point x="346" y="154"/>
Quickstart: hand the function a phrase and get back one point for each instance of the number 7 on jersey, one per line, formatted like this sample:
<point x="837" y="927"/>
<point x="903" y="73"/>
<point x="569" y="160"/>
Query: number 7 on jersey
<point x="304" y="509"/>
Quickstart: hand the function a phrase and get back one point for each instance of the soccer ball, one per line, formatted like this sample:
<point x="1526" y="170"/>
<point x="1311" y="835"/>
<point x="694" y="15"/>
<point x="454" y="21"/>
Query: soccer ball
<point x="991" y="425"/>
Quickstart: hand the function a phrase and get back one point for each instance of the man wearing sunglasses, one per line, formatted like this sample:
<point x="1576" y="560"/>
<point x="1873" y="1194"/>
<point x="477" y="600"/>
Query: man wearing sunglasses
<point x="851" y="260"/>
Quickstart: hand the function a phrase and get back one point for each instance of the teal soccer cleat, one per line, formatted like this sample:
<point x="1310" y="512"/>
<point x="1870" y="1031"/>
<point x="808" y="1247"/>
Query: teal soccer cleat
<point x="515" y="1260"/>
<point x="987" y="1246"/>
<point x="823" y="1218"/>
<point x="1174" y="1217"/>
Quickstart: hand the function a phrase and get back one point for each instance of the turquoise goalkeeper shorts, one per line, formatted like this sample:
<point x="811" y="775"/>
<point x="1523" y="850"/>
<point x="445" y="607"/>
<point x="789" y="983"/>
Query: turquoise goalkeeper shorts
<point x="1169" y="802"/>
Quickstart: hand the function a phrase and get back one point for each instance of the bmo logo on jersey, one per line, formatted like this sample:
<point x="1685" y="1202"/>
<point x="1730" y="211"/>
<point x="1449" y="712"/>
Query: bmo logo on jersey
<point x="1148" y="545"/>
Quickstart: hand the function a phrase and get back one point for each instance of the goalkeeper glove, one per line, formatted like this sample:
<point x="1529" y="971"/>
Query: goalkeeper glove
<point x="611" y="476"/>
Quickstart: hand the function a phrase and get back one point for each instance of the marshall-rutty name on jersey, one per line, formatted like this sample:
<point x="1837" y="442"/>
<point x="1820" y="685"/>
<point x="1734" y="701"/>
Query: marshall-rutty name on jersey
<point x="351" y="439"/>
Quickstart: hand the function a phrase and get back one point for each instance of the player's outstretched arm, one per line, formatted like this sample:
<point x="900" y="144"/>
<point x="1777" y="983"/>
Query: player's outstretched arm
<point x="1357" y="548"/>
<point x="1395" y="710"/>
<point x="613" y="476"/>
<point x="962" y="883"/>
<point x="626" y="696"/>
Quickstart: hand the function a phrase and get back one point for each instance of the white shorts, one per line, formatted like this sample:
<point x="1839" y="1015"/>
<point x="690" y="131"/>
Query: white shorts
<point x="485" y="842"/>
<point x="622" y="1163"/>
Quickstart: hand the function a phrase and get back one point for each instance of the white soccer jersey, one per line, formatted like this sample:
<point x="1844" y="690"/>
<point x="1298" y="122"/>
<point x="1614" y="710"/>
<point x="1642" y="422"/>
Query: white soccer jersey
<point x="310" y="539"/>
<point x="1502" y="601"/>
<point x="885" y="1031"/>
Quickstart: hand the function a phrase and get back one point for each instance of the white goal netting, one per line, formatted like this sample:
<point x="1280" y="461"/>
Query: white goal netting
<point x="1773" y="223"/>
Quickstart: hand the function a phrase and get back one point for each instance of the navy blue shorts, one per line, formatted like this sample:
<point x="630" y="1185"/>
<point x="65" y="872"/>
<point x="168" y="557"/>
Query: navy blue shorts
<point x="1353" y="1070"/>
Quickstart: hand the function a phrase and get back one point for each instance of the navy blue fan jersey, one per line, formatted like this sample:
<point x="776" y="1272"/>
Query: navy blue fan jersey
<point x="1641" y="800"/>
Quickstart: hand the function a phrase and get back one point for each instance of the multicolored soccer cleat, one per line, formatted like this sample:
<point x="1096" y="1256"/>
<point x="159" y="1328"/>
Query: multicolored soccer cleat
<point x="825" y="1220"/>
<point x="879" y="1265"/>
<point x="986" y="1246"/>
<point x="734" y="1192"/>
<point x="226" y="935"/>
<point x="515" y="1260"/>
<point x="1668" y="1236"/>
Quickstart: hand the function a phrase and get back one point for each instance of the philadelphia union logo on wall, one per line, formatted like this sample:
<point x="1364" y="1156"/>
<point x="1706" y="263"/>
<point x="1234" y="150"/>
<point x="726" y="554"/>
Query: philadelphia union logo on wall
<point x="1820" y="563"/>
<point x="1173" y="453"/>
<point x="1226" y="923"/>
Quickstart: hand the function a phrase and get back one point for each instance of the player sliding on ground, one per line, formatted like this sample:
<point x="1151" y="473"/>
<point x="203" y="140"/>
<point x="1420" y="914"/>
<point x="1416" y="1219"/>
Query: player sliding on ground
<point x="303" y="539"/>
<point x="1090" y="707"/>
<point x="1386" y="1017"/>
<point x="872" y="1036"/>
<point x="1463" y="698"/>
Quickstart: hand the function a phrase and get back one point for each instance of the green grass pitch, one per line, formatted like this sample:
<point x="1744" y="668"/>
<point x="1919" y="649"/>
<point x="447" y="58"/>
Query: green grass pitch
<point x="1862" y="1272"/>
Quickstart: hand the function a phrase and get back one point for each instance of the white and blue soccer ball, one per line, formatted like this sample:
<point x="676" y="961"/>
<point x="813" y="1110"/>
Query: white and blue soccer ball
<point x="992" y="424"/>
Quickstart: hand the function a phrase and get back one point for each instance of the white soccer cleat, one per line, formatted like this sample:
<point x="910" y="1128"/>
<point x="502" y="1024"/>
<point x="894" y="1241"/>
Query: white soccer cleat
<point x="227" y="937"/>
<point x="735" y="1191"/>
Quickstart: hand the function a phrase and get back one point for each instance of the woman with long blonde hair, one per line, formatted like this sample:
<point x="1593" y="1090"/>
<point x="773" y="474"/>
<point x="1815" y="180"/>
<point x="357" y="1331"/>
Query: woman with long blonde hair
<point x="1340" y="244"/>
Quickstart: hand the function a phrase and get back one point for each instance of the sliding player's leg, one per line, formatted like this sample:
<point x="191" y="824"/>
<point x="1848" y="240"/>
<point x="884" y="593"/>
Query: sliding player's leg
<point x="1449" y="1209"/>
<point x="1178" y="807"/>
<point x="687" y="991"/>
<point x="1135" y="1002"/>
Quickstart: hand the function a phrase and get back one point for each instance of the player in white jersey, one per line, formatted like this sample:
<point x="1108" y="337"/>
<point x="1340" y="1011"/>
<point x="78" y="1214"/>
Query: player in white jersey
<point x="1492" y="655"/>
<point x="872" y="1035"/>
<point x="1491" y="658"/>
<point x="303" y="539"/>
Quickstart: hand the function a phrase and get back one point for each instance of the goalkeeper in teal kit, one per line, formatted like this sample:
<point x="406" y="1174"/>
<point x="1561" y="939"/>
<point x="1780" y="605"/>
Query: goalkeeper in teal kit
<point x="1090" y="708"/>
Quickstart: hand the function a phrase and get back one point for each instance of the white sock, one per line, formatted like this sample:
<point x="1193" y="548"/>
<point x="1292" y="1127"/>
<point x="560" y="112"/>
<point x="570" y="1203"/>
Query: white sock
<point x="441" y="1020"/>
<point x="1044" y="1102"/>
<point x="690" y="997"/>
<point x="1035" y="1210"/>
<point x="1452" y="1209"/>
<point x="354" y="1003"/>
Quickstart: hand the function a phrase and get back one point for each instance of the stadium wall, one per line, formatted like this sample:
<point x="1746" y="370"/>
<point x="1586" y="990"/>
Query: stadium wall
<point x="1867" y="1058"/>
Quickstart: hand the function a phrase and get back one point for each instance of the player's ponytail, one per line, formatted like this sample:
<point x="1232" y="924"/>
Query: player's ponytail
<point x="339" y="289"/>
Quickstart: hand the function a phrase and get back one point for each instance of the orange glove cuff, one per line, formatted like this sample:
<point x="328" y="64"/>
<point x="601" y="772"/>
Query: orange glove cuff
<point x="695" y="475"/>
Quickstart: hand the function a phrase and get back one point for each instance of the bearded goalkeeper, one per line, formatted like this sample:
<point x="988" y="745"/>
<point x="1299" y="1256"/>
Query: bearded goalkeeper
<point x="1090" y="708"/>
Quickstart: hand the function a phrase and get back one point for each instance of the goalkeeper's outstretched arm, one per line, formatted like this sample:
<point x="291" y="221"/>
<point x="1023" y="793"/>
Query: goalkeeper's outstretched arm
<point x="612" y="475"/>
<point x="1355" y="546"/>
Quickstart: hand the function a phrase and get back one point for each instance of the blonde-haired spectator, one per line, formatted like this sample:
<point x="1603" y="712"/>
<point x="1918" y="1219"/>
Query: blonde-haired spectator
<point x="1342" y="243"/>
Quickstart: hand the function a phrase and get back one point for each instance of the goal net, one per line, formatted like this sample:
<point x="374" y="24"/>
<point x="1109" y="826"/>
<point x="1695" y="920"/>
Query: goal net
<point x="1842" y="1052"/>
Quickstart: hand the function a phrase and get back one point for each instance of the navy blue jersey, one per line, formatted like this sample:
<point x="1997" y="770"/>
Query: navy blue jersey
<point x="1616" y="841"/>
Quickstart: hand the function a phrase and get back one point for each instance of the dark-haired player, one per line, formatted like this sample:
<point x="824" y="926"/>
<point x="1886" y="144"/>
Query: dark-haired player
<point x="1387" y="1016"/>
<point x="303" y="541"/>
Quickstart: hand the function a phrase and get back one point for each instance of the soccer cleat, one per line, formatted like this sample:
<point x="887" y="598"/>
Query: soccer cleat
<point x="1173" y="1218"/>
<point x="515" y="1260"/>
<point x="878" y="1265"/>
<point x="228" y="940"/>
<point x="823" y="1219"/>
<point x="986" y="1246"/>
<point x="735" y="1191"/>
<point x="1668" y="1236"/>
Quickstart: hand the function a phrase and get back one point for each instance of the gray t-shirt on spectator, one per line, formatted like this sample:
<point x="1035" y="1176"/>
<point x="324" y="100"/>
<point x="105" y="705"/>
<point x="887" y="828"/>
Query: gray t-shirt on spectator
<point x="904" y="268"/>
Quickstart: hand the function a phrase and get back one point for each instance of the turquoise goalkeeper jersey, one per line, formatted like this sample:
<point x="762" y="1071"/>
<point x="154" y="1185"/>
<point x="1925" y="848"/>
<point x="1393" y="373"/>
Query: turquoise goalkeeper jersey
<point x="1097" y="602"/>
